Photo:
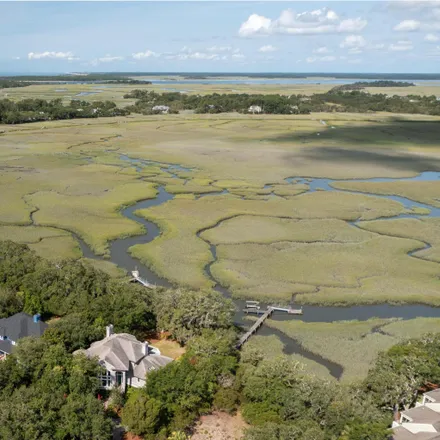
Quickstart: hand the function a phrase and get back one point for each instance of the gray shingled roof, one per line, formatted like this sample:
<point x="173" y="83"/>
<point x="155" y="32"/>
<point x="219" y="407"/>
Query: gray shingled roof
<point x="422" y="414"/>
<point x="6" y="346"/>
<point x="434" y="394"/>
<point x="121" y="350"/>
<point x="402" y="433"/>
<point x="21" y="325"/>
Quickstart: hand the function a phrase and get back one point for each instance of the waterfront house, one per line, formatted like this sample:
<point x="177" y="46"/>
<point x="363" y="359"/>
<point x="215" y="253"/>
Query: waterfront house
<point x="18" y="326"/>
<point x="126" y="360"/>
<point x="421" y="422"/>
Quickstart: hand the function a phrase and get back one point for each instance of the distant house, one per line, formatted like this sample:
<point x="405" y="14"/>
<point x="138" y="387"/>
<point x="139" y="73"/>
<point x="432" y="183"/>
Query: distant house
<point x="126" y="360"/>
<point x="161" y="108"/>
<point x="255" y="109"/>
<point x="18" y="326"/>
<point x="421" y="422"/>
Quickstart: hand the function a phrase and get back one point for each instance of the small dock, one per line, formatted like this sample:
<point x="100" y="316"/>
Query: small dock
<point x="253" y="307"/>
<point x="137" y="278"/>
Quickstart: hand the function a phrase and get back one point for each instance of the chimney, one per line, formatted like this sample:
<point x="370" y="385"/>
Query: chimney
<point x="145" y="348"/>
<point x="37" y="317"/>
<point x="109" y="330"/>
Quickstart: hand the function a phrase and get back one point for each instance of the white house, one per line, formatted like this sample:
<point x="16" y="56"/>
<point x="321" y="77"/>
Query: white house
<point x="161" y="108"/>
<point x="126" y="360"/>
<point x="421" y="422"/>
<point x="255" y="109"/>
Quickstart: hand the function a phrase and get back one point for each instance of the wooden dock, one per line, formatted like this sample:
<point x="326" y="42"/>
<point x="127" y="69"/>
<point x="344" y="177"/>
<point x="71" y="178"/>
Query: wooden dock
<point x="137" y="278"/>
<point x="260" y="321"/>
<point x="255" y="327"/>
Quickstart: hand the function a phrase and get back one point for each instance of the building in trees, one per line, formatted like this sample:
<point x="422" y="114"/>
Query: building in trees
<point x="16" y="327"/>
<point x="255" y="109"/>
<point x="126" y="360"/>
<point x="421" y="422"/>
<point x="161" y="109"/>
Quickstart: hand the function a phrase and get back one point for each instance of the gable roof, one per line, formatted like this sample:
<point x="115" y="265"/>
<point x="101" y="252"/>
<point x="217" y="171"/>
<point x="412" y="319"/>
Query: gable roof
<point x="422" y="414"/>
<point x="434" y="394"/>
<point x="21" y="325"/>
<point x="122" y="351"/>
<point x="401" y="433"/>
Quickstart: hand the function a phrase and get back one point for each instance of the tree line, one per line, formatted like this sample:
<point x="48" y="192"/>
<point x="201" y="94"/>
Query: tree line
<point x="358" y="85"/>
<point x="73" y="78"/>
<point x="150" y="102"/>
<point x="47" y="393"/>
<point x="335" y="100"/>
<point x="7" y="83"/>
<point x="33" y="110"/>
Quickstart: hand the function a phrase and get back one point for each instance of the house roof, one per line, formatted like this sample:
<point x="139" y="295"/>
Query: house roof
<point x="149" y="363"/>
<point x="422" y="414"/>
<point x="402" y="433"/>
<point x="21" y="325"/>
<point x="121" y="350"/>
<point x="6" y="346"/>
<point x="434" y="394"/>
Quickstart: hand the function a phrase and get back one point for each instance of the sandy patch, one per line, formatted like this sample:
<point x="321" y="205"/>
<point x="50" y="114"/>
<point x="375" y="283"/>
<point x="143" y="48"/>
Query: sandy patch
<point x="219" y="426"/>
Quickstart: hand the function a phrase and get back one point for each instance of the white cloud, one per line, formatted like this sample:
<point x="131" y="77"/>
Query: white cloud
<point x="407" y="26"/>
<point x="401" y="46"/>
<point x="319" y="21"/>
<point x="431" y="38"/>
<point x="219" y="49"/>
<point x="16" y="58"/>
<point x="202" y="56"/>
<point x="147" y="54"/>
<point x="356" y="44"/>
<point x="109" y="59"/>
<point x="376" y="46"/>
<point x="413" y="4"/>
<point x="52" y="55"/>
<point x="327" y="58"/>
<point x="255" y="24"/>
<point x="353" y="41"/>
<point x="186" y="53"/>
<point x="267" y="48"/>
<point x="105" y="59"/>
<point x="352" y="25"/>
<point x="322" y="50"/>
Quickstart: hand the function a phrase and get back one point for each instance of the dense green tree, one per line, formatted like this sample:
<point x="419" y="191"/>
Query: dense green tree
<point x="53" y="395"/>
<point x="186" y="313"/>
<point x="32" y="110"/>
<point x="82" y="417"/>
<point x="176" y="394"/>
<point x="143" y="415"/>
<point x="10" y="302"/>
<point x="398" y="373"/>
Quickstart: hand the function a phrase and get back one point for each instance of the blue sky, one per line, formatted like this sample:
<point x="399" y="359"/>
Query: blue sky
<point x="223" y="36"/>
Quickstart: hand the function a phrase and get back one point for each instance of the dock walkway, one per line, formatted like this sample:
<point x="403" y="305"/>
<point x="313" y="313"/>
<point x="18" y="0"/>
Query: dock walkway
<point x="260" y="321"/>
<point x="255" y="327"/>
<point x="137" y="278"/>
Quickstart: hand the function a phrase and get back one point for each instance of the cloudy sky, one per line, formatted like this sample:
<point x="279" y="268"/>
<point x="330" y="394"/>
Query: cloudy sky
<point x="223" y="36"/>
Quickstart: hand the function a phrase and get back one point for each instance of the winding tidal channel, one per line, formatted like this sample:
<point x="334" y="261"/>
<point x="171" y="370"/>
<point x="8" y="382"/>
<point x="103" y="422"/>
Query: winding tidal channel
<point x="119" y="254"/>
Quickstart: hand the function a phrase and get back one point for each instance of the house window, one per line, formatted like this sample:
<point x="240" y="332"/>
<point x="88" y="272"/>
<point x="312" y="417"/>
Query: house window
<point x="106" y="380"/>
<point x="119" y="377"/>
